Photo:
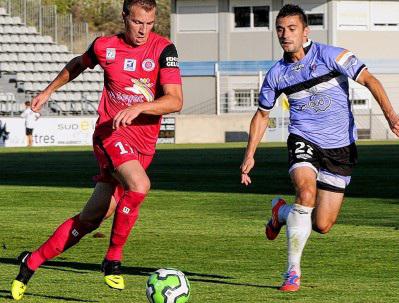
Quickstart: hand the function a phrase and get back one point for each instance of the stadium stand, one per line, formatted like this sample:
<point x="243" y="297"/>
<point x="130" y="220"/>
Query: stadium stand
<point x="29" y="61"/>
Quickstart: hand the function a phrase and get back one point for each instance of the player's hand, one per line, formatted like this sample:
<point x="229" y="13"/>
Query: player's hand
<point x="245" y="179"/>
<point x="38" y="101"/>
<point x="394" y="124"/>
<point x="126" y="116"/>
<point x="246" y="167"/>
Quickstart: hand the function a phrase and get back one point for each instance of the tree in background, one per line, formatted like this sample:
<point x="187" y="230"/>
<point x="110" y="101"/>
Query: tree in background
<point x="104" y="16"/>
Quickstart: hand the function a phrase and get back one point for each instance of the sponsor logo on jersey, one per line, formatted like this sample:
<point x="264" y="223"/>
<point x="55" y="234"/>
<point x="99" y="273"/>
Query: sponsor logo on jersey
<point x="110" y="54"/>
<point x="298" y="67"/>
<point x="126" y="99"/>
<point x="126" y="210"/>
<point x="148" y="65"/>
<point x="130" y="65"/>
<point x="172" y="62"/>
<point x="142" y="86"/>
<point x="317" y="103"/>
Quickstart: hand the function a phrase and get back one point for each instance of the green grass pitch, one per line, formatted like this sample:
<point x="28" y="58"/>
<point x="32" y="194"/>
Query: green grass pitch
<point x="198" y="218"/>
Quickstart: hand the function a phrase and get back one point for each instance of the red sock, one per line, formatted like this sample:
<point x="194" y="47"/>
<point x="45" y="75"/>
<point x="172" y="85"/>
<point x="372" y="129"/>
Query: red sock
<point x="66" y="235"/>
<point x="125" y="216"/>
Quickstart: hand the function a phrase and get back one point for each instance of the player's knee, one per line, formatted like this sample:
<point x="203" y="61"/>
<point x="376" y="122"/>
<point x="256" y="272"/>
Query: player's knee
<point x="142" y="186"/>
<point x="145" y="187"/>
<point x="89" y="223"/>
<point x="323" y="228"/>
<point x="306" y="197"/>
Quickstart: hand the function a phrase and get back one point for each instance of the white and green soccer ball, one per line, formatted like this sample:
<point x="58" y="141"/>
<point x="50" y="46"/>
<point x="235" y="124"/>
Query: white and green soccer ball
<point x="168" y="285"/>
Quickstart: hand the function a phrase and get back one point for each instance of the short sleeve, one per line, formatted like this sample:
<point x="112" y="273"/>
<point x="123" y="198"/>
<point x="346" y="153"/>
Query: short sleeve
<point x="89" y="57"/>
<point x="169" y="66"/>
<point x="267" y="94"/>
<point x="345" y="62"/>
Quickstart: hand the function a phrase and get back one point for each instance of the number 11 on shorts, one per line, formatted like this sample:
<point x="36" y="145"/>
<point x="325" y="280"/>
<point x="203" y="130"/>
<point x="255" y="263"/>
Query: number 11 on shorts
<point x="122" y="148"/>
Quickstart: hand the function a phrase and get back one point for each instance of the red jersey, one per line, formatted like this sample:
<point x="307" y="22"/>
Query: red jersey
<point x="132" y="74"/>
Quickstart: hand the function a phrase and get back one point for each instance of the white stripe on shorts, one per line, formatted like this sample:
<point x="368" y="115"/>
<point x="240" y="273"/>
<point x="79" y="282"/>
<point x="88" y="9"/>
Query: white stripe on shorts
<point x="303" y="164"/>
<point x="331" y="179"/>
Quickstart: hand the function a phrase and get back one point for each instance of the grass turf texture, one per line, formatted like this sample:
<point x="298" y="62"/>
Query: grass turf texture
<point x="199" y="219"/>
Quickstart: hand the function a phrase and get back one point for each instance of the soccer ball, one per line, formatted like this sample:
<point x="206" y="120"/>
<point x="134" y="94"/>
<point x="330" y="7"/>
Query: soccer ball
<point x="168" y="285"/>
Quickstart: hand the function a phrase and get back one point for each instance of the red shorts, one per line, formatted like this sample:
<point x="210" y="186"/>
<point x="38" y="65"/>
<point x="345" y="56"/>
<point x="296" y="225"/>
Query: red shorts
<point x="114" y="151"/>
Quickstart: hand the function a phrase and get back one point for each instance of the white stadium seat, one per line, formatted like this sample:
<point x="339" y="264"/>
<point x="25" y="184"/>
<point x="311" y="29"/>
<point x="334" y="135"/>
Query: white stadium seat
<point x="4" y="66"/>
<point x="47" y="39"/>
<point x="21" y="77"/>
<point x="77" y="96"/>
<point x="29" y="67"/>
<point x="8" y="20"/>
<point x="29" y="48"/>
<point x="45" y="48"/>
<point x="14" y="38"/>
<point x="12" y="57"/>
<point x="5" y="38"/>
<point x="16" y="20"/>
<point x="28" y="86"/>
<point x="22" y="57"/>
<point x="69" y="96"/>
<point x="31" y="30"/>
<point x="38" y="86"/>
<point x="55" y="57"/>
<point x="15" y="48"/>
<point x="19" y="67"/>
<point x="62" y="48"/>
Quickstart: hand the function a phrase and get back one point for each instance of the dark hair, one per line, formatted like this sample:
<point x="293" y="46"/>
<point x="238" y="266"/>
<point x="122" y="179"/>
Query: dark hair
<point x="27" y="103"/>
<point x="293" y="10"/>
<point x="147" y="5"/>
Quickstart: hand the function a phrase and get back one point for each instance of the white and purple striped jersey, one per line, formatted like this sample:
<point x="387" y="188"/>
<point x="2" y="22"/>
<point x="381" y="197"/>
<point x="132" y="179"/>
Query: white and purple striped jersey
<point x="317" y="89"/>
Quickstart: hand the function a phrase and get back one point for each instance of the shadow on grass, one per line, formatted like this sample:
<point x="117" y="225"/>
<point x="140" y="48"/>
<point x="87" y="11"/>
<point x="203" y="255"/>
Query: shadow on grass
<point x="201" y="170"/>
<point x="6" y="294"/>
<point x="79" y="268"/>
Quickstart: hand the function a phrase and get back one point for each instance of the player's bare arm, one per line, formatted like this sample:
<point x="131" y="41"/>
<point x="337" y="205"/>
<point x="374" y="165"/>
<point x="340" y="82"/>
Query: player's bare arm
<point x="170" y="102"/>
<point x="71" y="70"/>
<point x="257" y="129"/>
<point x="376" y="88"/>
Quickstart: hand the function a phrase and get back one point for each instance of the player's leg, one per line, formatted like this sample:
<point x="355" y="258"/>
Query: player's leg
<point x="332" y="180"/>
<point x="299" y="223"/>
<point x="30" y="140"/>
<point x="66" y="235"/>
<point x="301" y="154"/>
<point x="130" y="195"/>
<point x="116" y="154"/>
<point x="136" y="185"/>
<point x="327" y="209"/>
<point x="29" y="132"/>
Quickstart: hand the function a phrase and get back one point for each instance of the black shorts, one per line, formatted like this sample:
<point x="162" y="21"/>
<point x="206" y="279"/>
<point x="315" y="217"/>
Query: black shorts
<point x="333" y="166"/>
<point x="28" y="131"/>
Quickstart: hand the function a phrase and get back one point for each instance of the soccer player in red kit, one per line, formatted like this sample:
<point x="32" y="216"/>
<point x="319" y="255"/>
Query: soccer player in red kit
<point x="141" y="83"/>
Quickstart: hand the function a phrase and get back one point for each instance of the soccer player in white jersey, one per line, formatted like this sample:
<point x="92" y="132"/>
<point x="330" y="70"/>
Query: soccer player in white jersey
<point x="321" y="143"/>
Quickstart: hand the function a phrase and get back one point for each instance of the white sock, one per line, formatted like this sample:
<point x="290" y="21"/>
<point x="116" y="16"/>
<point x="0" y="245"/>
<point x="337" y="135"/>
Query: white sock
<point x="299" y="227"/>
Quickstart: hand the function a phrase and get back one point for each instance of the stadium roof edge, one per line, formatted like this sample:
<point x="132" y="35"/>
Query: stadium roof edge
<point x="209" y="68"/>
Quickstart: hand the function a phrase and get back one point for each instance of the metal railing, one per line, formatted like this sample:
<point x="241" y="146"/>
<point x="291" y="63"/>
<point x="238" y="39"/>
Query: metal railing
<point x="62" y="28"/>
